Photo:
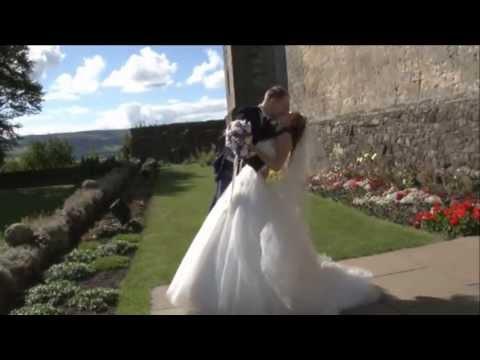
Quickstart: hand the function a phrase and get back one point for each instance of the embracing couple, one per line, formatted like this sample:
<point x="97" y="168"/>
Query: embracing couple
<point x="253" y="253"/>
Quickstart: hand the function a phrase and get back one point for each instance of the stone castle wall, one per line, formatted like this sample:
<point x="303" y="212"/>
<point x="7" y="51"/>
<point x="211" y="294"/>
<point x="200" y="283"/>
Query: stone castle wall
<point x="418" y="104"/>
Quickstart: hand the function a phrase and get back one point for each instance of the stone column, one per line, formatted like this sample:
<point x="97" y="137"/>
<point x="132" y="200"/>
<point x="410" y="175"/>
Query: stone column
<point x="251" y="70"/>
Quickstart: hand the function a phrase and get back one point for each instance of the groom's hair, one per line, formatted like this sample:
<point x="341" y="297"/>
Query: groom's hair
<point x="275" y="92"/>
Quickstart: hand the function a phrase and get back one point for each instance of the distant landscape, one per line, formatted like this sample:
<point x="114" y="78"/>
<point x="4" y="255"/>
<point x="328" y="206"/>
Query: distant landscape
<point x="100" y="142"/>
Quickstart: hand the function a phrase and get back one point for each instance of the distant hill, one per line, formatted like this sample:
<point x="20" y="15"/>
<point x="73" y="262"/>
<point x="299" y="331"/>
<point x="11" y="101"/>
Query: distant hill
<point x="101" y="142"/>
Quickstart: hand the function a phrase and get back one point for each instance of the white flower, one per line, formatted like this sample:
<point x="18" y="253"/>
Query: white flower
<point x="238" y="137"/>
<point x="432" y="199"/>
<point x="374" y="156"/>
<point x="359" y="201"/>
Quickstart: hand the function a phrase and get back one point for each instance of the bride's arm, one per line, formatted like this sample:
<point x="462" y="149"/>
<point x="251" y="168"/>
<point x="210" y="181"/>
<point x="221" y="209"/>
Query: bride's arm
<point x="283" y="145"/>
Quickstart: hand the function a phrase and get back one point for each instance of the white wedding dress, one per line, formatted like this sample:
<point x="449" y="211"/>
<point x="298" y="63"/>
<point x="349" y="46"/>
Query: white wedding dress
<point x="253" y="254"/>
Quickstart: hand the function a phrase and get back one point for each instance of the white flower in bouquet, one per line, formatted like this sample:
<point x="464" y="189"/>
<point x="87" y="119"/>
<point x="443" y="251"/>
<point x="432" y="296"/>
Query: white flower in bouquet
<point x="238" y="138"/>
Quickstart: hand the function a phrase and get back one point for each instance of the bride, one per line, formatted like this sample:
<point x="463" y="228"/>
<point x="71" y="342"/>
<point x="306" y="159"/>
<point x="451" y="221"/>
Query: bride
<point x="253" y="253"/>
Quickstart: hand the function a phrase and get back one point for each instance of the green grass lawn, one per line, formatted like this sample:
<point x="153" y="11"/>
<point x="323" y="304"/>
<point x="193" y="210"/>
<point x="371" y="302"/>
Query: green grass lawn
<point x="19" y="203"/>
<point x="343" y="232"/>
<point x="180" y="204"/>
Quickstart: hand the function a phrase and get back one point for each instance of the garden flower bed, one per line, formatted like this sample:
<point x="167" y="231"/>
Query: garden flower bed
<point x="86" y="280"/>
<point x="439" y="212"/>
<point x="85" y="283"/>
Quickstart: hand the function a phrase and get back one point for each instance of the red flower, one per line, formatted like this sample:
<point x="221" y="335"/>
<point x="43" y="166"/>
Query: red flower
<point x="428" y="216"/>
<point x="468" y="205"/>
<point x="453" y="220"/>
<point x="460" y="212"/>
<point x="424" y="216"/>
<point x="437" y="208"/>
<point x="399" y="196"/>
<point x="476" y="213"/>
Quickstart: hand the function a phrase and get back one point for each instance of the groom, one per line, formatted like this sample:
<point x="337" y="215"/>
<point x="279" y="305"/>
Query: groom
<point x="262" y="118"/>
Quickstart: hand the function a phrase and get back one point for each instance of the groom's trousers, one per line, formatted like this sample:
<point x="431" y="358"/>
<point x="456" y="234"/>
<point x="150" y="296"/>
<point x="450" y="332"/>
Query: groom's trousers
<point x="223" y="169"/>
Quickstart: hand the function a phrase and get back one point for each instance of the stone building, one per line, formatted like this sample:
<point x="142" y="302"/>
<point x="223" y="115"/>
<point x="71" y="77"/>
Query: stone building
<point x="418" y="106"/>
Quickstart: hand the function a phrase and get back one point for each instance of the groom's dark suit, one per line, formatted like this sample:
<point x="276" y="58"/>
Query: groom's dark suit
<point x="262" y="129"/>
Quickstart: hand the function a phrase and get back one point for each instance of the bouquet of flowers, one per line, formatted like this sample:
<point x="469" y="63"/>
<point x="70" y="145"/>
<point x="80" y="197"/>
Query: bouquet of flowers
<point x="238" y="138"/>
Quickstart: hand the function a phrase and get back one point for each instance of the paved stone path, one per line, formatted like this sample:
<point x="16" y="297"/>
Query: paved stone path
<point x="441" y="278"/>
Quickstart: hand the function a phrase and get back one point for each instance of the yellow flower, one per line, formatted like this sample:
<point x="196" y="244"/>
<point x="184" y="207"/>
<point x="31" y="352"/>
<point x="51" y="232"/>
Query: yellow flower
<point x="273" y="175"/>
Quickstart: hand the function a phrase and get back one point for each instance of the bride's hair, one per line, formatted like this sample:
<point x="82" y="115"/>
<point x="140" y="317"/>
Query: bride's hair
<point x="298" y="124"/>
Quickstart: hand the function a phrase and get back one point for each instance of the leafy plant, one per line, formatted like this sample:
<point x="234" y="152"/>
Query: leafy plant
<point x="82" y="256"/>
<point x="117" y="247"/>
<point x="89" y="245"/>
<point x="131" y="238"/>
<point x="202" y="157"/>
<point x="50" y="154"/>
<point x="73" y="271"/>
<point x="38" y="309"/>
<point x="54" y="293"/>
<point x="96" y="300"/>
<point x="13" y="165"/>
<point x="112" y="262"/>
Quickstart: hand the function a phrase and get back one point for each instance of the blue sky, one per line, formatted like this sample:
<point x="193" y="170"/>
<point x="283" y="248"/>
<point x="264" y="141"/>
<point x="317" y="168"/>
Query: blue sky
<point x="116" y="87"/>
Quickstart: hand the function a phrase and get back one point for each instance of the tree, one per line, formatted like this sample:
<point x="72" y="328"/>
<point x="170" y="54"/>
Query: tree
<point x="19" y="94"/>
<point x="51" y="154"/>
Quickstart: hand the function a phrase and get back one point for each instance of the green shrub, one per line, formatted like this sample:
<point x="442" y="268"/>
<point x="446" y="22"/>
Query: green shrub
<point x="97" y="300"/>
<point x="54" y="293"/>
<point x="72" y="271"/>
<point x="116" y="247"/>
<point x="89" y="245"/>
<point x="204" y="158"/>
<point x="12" y="165"/>
<point x="50" y="154"/>
<point x="82" y="256"/>
<point x="131" y="238"/>
<point x="37" y="309"/>
<point x="112" y="262"/>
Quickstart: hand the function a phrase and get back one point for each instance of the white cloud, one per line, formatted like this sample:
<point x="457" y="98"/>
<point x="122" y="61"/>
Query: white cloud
<point x="84" y="81"/>
<point x="76" y="110"/>
<point x="143" y="72"/>
<point x="123" y="116"/>
<point x="179" y="84"/>
<point x="208" y="73"/>
<point x="215" y="80"/>
<point x="131" y="114"/>
<point x="44" y="57"/>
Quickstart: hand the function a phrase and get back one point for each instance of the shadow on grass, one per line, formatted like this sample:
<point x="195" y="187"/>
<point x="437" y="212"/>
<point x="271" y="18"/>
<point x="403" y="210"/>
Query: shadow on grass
<point x="421" y="305"/>
<point x="172" y="180"/>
